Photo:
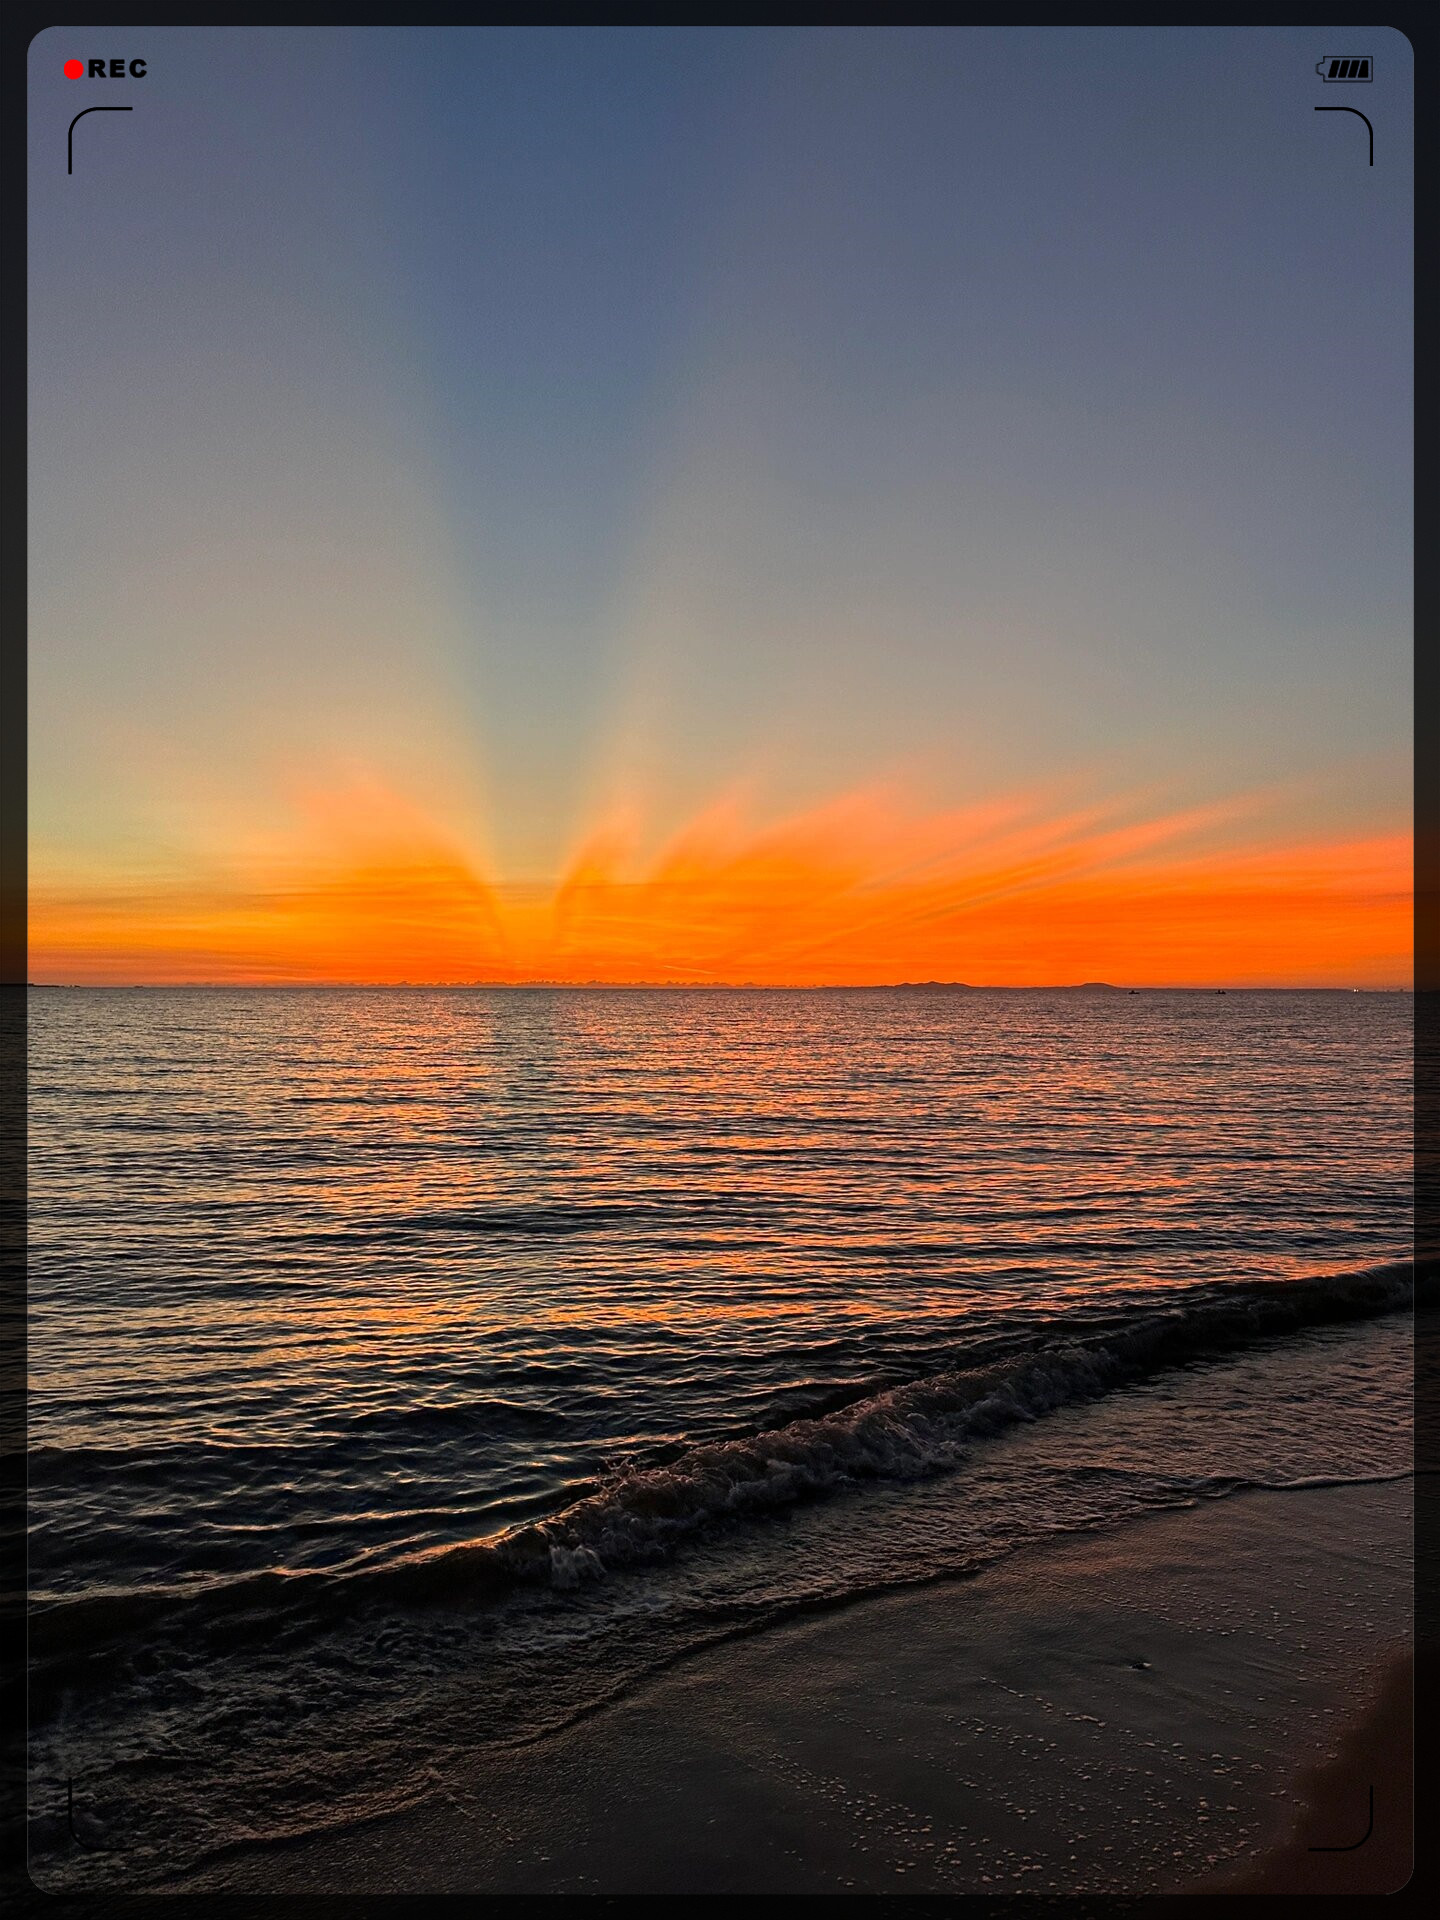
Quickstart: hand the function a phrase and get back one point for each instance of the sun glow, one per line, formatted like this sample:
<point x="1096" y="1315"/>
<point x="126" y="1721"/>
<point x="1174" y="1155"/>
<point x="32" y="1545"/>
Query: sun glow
<point x="1024" y="889"/>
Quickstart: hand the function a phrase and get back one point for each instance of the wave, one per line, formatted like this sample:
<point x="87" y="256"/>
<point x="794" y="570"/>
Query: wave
<point x="912" y="1429"/>
<point x="924" y="1426"/>
<point x="489" y="1415"/>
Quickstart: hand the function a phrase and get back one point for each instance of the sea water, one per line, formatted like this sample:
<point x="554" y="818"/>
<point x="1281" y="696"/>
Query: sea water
<point x="413" y="1370"/>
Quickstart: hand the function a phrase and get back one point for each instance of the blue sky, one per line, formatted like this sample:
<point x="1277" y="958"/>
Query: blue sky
<point x="563" y="419"/>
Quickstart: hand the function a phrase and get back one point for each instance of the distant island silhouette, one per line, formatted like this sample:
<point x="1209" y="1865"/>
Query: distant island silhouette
<point x="964" y="986"/>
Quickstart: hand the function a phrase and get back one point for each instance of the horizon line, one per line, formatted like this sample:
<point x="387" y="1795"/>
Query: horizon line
<point x="679" y="986"/>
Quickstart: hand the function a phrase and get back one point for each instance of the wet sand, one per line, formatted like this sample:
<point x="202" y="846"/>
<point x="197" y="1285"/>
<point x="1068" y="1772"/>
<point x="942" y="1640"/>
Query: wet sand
<point x="1355" y="1829"/>
<point x="1167" y="1707"/>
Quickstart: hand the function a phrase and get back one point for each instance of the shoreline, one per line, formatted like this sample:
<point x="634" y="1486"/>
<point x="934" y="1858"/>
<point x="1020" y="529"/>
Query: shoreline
<point x="1156" y="1709"/>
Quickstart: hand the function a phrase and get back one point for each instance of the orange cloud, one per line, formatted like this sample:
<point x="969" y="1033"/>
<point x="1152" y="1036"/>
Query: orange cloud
<point x="1014" y="891"/>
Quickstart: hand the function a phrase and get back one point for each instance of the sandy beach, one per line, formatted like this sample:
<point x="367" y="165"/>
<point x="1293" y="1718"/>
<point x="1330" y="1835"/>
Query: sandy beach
<point x="1375" y="1757"/>
<point x="1169" y="1706"/>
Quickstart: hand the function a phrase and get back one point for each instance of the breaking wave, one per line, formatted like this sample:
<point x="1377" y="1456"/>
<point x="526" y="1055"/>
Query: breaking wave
<point x="924" y="1426"/>
<point x="641" y="1514"/>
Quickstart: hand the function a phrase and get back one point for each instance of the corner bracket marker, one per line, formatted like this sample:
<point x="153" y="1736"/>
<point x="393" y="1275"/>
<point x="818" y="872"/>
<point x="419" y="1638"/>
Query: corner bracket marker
<point x="1359" y="116"/>
<point x="70" y="137"/>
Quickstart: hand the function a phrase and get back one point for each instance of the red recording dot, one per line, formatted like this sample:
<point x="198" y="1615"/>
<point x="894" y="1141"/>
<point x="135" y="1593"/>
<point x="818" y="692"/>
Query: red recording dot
<point x="74" y="69"/>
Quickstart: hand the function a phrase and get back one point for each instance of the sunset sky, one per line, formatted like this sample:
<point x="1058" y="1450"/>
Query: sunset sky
<point x="763" y="505"/>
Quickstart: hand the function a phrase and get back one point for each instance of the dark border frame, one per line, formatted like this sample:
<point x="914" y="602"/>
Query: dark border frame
<point x="21" y="27"/>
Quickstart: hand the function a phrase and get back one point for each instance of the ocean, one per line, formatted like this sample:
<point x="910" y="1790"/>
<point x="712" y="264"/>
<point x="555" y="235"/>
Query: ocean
<point x="413" y="1370"/>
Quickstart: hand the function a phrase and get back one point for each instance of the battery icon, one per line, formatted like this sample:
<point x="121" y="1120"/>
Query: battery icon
<point x="1345" y="67"/>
